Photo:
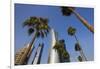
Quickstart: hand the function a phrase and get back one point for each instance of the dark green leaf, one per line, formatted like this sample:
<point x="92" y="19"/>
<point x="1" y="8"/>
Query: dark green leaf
<point x="77" y="47"/>
<point x="30" y="31"/>
<point x="80" y="58"/>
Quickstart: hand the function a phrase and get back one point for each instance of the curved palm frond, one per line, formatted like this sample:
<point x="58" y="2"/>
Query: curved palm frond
<point x="45" y="20"/>
<point x="26" y="22"/>
<point x="30" y="31"/>
<point x="30" y="21"/>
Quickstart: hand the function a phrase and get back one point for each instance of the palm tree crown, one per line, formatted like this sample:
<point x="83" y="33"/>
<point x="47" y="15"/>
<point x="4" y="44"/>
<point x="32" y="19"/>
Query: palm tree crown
<point x="71" y="31"/>
<point x="66" y="10"/>
<point x="80" y="58"/>
<point x="37" y="24"/>
<point x="77" y="47"/>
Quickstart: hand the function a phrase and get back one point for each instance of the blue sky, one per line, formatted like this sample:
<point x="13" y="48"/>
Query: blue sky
<point x="60" y="24"/>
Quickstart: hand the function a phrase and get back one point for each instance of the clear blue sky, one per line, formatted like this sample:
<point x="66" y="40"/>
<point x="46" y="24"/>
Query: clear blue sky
<point x="60" y="24"/>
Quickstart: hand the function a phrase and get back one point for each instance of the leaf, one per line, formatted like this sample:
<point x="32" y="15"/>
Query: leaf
<point x="34" y="19"/>
<point x="71" y="31"/>
<point x="66" y="11"/>
<point x="80" y="58"/>
<point x="26" y="22"/>
<point x="39" y="24"/>
<point x="30" y="31"/>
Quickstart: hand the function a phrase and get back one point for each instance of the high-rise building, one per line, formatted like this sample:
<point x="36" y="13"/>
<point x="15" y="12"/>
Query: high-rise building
<point x="19" y="55"/>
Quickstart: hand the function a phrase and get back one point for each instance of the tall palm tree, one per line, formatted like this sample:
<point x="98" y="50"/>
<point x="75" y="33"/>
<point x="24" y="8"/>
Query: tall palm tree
<point x="67" y="11"/>
<point x="71" y="31"/>
<point x="37" y="26"/>
<point x="38" y="54"/>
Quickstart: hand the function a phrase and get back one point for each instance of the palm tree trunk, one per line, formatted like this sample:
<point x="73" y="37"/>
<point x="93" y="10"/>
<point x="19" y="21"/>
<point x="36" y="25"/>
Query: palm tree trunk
<point x="24" y="57"/>
<point x="38" y="54"/>
<point x="29" y="54"/>
<point x="85" y="23"/>
<point x="81" y="51"/>
<point x="82" y="54"/>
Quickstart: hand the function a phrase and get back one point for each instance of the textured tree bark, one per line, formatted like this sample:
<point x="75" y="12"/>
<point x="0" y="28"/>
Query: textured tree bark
<point x="24" y="57"/>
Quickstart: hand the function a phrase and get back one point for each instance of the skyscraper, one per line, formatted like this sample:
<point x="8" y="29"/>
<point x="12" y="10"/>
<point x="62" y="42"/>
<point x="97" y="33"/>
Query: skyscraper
<point x="19" y="55"/>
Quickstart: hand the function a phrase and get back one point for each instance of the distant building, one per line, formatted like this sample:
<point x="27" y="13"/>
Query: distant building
<point x="20" y="54"/>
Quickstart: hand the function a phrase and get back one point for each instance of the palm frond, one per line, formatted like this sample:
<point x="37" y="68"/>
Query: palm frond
<point x="80" y="58"/>
<point x="26" y="22"/>
<point x="34" y="19"/>
<point x="77" y="47"/>
<point x="39" y="24"/>
<point x="30" y="31"/>
<point x="45" y="20"/>
<point x="66" y="11"/>
<point x="31" y="21"/>
<point x="71" y="31"/>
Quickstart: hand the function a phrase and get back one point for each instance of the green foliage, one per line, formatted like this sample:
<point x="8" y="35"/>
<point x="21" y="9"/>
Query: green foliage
<point x="71" y="31"/>
<point x="60" y="48"/>
<point x="30" y="31"/>
<point x="37" y="24"/>
<point x="66" y="11"/>
<point x="77" y="47"/>
<point x="80" y="58"/>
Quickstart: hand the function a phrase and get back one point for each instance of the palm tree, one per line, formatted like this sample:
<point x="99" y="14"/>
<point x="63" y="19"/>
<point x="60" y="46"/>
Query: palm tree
<point x="38" y="54"/>
<point x="53" y="53"/>
<point x="78" y="48"/>
<point x="67" y="11"/>
<point x="63" y="53"/>
<point x="37" y="26"/>
<point x="71" y="31"/>
<point x="80" y="58"/>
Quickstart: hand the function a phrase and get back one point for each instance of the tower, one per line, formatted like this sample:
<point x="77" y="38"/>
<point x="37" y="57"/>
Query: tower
<point x="53" y="54"/>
